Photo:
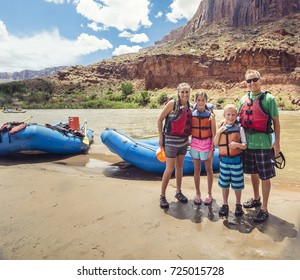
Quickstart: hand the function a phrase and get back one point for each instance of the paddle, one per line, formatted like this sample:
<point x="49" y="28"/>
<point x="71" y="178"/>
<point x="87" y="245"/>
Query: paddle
<point x="85" y="140"/>
<point x="146" y="137"/>
<point x="27" y="119"/>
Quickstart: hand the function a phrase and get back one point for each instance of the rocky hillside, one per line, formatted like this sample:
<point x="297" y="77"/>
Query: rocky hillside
<point x="212" y="52"/>
<point x="236" y="13"/>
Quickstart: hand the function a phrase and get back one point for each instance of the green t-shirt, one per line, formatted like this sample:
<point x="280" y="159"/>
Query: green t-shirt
<point x="261" y="140"/>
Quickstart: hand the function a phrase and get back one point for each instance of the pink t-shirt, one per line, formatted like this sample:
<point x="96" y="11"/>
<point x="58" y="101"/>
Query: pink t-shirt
<point x="201" y="145"/>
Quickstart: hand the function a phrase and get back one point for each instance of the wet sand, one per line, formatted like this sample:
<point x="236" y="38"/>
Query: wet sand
<point x="95" y="207"/>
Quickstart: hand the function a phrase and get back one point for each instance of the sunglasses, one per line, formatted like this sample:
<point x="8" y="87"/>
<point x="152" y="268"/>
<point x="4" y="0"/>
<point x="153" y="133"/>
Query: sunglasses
<point x="254" y="80"/>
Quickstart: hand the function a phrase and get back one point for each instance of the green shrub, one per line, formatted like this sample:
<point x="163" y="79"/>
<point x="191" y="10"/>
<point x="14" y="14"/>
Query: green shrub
<point x="142" y="98"/>
<point x="153" y="104"/>
<point x="290" y="107"/>
<point x="221" y="100"/>
<point x="37" y="97"/>
<point x="114" y="97"/>
<point x="145" y="98"/>
<point x="162" y="98"/>
<point x="93" y="97"/>
<point x="127" y="89"/>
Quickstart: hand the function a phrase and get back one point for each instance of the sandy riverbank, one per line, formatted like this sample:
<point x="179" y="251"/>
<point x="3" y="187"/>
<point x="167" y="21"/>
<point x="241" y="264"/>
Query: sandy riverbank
<point x="87" y="207"/>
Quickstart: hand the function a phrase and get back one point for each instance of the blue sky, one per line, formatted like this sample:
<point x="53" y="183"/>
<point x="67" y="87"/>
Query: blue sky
<point x="37" y="34"/>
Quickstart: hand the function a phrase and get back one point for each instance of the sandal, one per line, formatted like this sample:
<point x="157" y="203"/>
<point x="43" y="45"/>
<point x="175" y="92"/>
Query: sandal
<point x="181" y="197"/>
<point x="208" y="201"/>
<point x="261" y="216"/>
<point x="251" y="203"/>
<point x="197" y="200"/>
<point x="238" y="210"/>
<point x="163" y="202"/>
<point x="224" y="211"/>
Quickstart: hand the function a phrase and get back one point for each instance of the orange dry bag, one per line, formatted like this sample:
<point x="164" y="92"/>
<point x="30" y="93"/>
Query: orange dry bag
<point x="160" y="154"/>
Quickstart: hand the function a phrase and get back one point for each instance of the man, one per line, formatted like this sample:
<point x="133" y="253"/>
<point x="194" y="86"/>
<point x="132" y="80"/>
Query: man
<point x="259" y="117"/>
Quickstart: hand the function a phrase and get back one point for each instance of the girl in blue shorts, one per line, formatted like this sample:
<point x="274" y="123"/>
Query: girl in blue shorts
<point x="202" y="147"/>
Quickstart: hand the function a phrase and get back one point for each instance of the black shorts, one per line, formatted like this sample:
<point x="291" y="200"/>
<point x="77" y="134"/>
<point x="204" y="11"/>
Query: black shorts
<point x="173" y="152"/>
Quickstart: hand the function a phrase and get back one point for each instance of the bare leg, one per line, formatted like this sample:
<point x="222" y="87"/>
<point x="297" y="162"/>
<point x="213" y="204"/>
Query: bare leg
<point x="179" y="171"/>
<point x="255" y="184"/>
<point x="197" y="170"/>
<point x="210" y="176"/>
<point x="170" y="164"/>
<point x="238" y="195"/>
<point x="225" y="193"/>
<point x="266" y="188"/>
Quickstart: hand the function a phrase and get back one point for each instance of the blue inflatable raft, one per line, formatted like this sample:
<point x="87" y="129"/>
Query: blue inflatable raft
<point x="58" y="139"/>
<point x="142" y="152"/>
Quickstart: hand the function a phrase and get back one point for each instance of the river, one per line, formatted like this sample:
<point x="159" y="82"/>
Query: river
<point x="142" y="122"/>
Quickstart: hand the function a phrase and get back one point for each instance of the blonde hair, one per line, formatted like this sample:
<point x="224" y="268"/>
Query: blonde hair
<point x="230" y="107"/>
<point x="250" y="71"/>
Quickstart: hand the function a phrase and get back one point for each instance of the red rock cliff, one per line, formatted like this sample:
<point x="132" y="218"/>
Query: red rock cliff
<point x="236" y="13"/>
<point x="161" y="71"/>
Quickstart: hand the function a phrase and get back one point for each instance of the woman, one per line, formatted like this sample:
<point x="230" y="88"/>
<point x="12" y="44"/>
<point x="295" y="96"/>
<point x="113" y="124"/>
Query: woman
<point x="174" y="137"/>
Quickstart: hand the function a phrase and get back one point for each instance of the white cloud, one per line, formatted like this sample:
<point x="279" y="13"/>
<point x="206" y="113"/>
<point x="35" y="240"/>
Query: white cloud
<point x="134" y="38"/>
<point x="159" y="14"/>
<point x="125" y="34"/>
<point x="45" y="49"/>
<point x="123" y="49"/>
<point x="95" y="26"/>
<point x="139" y="38"/>
<point x="182" y="9"/>
<point x="119" y="14"/>
<point x="86" y="44"/>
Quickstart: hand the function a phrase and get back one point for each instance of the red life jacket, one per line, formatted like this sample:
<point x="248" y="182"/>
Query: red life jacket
<point x="178" y="122"/>
<point x="254" y="116"/>
<point x="226" y="137"/>
<point x="12" y="127"/>
<point x="201" y="124"/>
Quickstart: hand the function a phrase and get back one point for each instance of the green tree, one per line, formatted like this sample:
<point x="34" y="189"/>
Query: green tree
<point x="127" y="89"/>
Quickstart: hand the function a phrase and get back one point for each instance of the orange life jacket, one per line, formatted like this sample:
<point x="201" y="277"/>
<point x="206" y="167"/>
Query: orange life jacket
<point x="201" y="124"/>
<point x="229" y="135"/>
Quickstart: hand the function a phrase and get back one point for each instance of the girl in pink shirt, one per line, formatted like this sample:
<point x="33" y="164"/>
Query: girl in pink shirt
<point x="202" y="147"/>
